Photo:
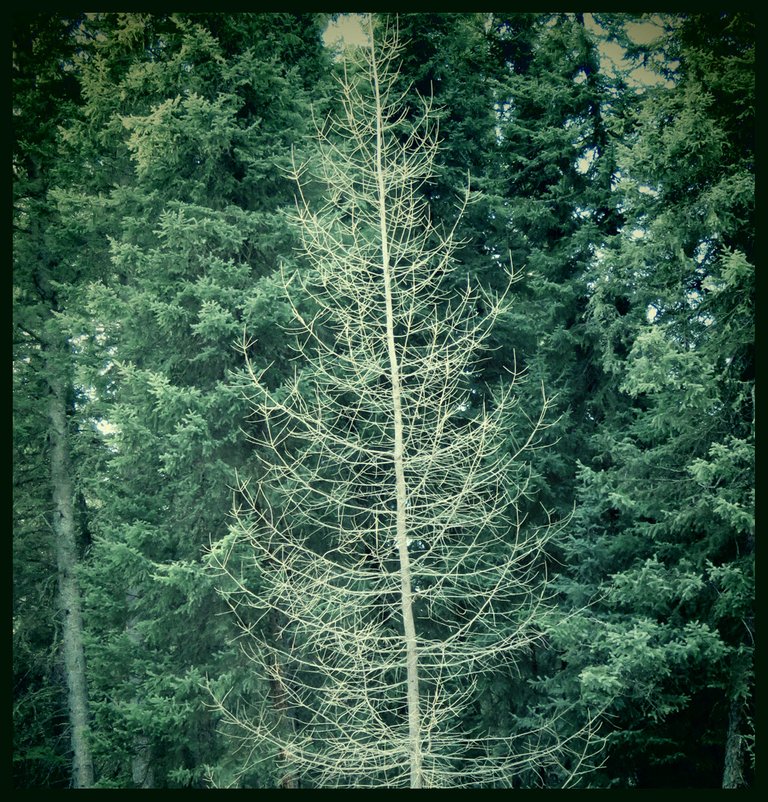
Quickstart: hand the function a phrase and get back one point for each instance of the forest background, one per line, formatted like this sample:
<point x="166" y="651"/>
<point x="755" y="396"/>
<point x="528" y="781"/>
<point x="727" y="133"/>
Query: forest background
<point x="151" y="160"/>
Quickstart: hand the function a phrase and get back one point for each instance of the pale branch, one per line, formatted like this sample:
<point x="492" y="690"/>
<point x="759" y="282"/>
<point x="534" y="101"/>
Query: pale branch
<point x="382" y="563"/>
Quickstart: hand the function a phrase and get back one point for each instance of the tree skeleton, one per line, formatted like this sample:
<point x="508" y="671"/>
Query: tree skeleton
<point x="386" y="530"/>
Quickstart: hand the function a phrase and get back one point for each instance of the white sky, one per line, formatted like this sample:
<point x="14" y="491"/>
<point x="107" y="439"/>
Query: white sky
<point x="641" y="32"/>
<point x="347" y="29"/>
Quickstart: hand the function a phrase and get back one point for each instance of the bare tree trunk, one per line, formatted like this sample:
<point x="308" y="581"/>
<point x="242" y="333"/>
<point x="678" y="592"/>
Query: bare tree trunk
<point x="69" y="589"/>
<point x="735" y="768"/>
<point x="401" y="496"/>
<point x="142" y="773"/>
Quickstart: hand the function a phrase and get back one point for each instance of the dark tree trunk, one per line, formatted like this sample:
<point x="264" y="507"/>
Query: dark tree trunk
<point x="736" y="773"/>
<point x="733" y="771"/>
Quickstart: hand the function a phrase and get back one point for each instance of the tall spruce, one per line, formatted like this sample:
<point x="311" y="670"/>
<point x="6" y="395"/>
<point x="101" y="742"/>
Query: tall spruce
<point x="665" y="522"/>
<point x="188" y="125"/>
<point x="47" y="271"/>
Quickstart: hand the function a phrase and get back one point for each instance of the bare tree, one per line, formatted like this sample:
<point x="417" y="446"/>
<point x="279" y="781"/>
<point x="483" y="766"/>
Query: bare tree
<point x="386" y="535"/>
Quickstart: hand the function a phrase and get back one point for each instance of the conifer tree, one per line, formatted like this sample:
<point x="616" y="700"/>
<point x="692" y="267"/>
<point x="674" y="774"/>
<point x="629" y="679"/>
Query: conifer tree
<point x="185" y="128"/>
<point x="665" y="520"/>
<point x="383" y="538"/>
<point x="47" y="422"/>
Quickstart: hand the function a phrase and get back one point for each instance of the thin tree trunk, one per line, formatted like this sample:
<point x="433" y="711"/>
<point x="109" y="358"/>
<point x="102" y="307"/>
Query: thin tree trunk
<point x="733" y="771"/>
<point x="142" y="771"/>
<point x="406" y="589"/>
<point x="69" y="589"/>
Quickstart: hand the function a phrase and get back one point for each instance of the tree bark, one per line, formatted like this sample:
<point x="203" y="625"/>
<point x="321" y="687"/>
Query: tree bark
<point x="142" y="773"/>
<point x="733" y="771"/>
<point x="69" y="589"/>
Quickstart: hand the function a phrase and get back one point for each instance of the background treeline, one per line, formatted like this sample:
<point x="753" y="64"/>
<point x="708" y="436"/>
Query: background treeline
<point x="150" y="159"/>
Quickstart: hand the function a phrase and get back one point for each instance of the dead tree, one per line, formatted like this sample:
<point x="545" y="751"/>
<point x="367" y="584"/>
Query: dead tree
<point x="386" y="528"/>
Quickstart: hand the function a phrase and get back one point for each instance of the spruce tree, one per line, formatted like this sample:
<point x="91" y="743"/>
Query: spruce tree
<point x="48" y="423"/>
<point x="187" y="125"/>
<point x="665" y="521"/>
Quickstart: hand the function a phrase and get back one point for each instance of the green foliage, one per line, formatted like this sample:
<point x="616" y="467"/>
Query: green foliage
<point x="196" y="125"/>
<point x="668" y="497"/>
<point x="45" y="269"/>
<point x="150" y="158"/>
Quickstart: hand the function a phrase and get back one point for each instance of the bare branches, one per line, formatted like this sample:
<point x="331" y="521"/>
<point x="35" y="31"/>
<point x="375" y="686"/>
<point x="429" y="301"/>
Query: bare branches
<point x="385" y="532"/>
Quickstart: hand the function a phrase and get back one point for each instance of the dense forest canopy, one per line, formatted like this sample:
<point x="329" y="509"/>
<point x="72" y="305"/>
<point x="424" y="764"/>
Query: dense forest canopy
<point x="507" y="539"/>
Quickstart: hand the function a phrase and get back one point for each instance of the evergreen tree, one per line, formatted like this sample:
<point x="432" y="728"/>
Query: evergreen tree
<point x="48" y="526"/>
<point x="665" y="524"/>
<point x="189" y="126"/>
<point x="556" y="159"/>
